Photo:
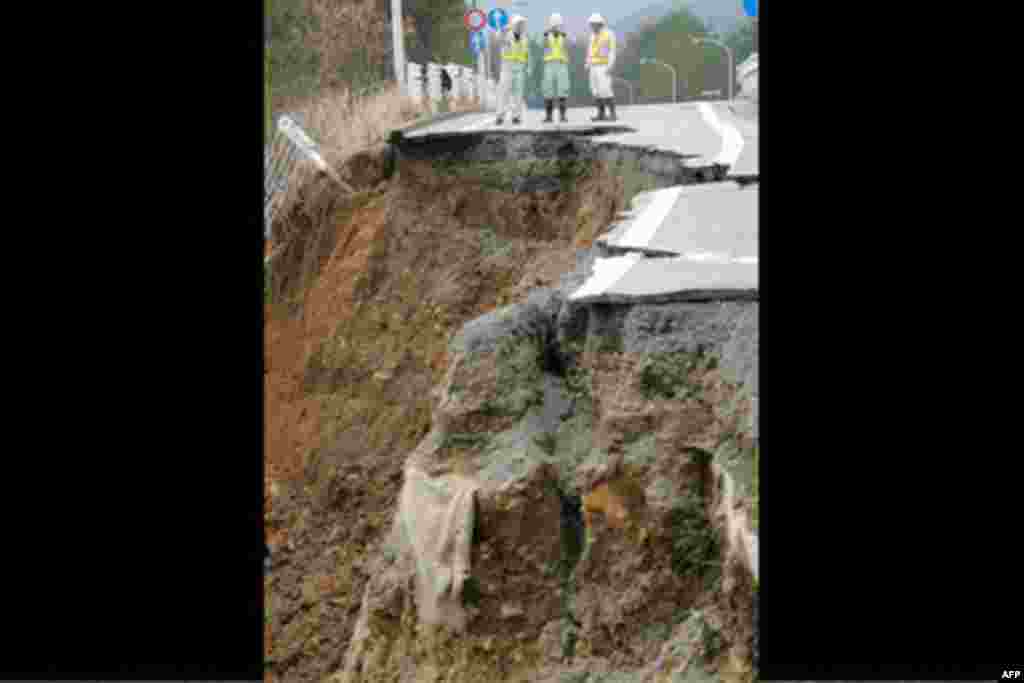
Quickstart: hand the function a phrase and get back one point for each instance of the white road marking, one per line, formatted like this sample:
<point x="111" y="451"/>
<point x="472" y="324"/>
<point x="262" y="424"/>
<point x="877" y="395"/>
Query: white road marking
<point x="642" y="229"/>
<point x="477" y="125"/>
<point x="732" y="141"/>
<point x="607" y="271"/>
<point x="716" y="257"/>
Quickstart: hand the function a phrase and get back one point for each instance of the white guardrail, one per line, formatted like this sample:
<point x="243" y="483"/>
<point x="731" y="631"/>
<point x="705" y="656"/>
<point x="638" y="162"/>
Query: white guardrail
<point x="291" y="149"/>
<point x="289" y="152"/>
<point x="424" y="84"/>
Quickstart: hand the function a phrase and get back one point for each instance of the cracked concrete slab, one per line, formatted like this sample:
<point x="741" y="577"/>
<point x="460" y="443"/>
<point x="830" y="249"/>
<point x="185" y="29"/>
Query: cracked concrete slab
<point x="716" y="221"/>
<point x="743" y="116"/>
<point x="673" y="128"/>
<point x="673" y="279"/>
<point x="693" y="242"/>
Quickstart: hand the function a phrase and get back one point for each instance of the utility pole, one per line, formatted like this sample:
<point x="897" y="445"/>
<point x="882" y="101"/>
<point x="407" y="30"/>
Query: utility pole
<point x="398" y="46"/>
<point x="732" y="67"/>
<point x="675" y="93"/>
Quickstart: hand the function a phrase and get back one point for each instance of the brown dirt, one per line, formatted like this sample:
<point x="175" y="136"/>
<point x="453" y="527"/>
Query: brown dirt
<point x="369" y="293"/>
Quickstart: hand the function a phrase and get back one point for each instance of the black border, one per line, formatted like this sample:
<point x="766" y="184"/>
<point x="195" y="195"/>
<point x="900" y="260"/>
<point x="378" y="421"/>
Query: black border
<point x="138" y="550"/>
<point x="886" y="521"/>
<point x="888" y="530"/>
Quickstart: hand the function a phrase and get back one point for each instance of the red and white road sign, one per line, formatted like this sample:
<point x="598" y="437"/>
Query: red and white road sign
<point x="475" y="19"/>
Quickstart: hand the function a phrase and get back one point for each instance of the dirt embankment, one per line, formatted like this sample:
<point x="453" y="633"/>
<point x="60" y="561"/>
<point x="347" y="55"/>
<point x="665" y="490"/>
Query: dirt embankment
<point x="424" y="324"/>
<point x="365" y="296"/>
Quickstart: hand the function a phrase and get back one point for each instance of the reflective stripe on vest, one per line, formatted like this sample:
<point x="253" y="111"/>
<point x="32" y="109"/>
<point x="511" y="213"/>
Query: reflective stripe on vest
<point x="516" y="51"/>
<point x="554" y="51"/>
<point x="600" y="48"/>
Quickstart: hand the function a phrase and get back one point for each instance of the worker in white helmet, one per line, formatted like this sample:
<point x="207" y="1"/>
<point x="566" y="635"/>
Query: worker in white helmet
<point x="515" y="63"/>
<point x="555" y="83"/>
<point x="600" y="61"/>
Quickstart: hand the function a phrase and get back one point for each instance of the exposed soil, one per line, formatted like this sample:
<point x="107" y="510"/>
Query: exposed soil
<point x="367" y="294"/>
<point x="369" y="291"/>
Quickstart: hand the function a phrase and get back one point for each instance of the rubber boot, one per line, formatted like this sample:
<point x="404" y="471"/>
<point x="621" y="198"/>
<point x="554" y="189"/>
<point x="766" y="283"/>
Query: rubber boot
<point x="611" y="108"/>
<point x="549" y="106"/>
<point x="561" y="109"/>
<point x="600" y="111"/>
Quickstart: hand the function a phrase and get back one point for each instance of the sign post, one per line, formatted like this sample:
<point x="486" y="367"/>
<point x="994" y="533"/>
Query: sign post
<point x="475" y="20"/>
<point x="497" y="19"/>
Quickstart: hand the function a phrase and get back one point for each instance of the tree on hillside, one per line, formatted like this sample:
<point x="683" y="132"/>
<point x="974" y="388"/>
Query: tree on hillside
<point x="534" y="98"/>
<point x="743" y="41"/>
<point x="579" y="77"/>
<point x="315" y="46"/>
<point x="439" y="34"/>
<point x="668" y="40"/>
<point x="291" y="62"/>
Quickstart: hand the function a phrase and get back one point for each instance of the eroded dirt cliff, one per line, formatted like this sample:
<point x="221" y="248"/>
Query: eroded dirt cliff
<point x="420" y="335"/>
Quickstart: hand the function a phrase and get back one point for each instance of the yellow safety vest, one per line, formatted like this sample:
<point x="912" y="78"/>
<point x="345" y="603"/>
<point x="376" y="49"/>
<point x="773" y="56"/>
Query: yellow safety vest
<point x="554" y="50"/>
<point x="516" y="50"/>
<point x="600" y="47"/>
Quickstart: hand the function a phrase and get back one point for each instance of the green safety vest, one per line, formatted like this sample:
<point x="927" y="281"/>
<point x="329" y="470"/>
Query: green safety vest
<point x="554" y="49"/>
<point x="517" y="51"/>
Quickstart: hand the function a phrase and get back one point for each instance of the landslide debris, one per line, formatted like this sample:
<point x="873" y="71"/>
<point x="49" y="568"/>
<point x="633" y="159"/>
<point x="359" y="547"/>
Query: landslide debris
<point x="363" y="296"/>
<point x="421" y="348"/>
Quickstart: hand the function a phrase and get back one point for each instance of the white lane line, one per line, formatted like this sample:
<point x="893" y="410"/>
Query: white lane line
<point x="716" y="257"/>
<point x="607" y="271"/>
<point x="477" y="125"/>
<point x="642" y="229"/>
<point x="732" y="141"/>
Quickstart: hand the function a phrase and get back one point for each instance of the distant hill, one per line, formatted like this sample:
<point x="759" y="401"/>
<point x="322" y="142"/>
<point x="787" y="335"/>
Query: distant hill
<point x="722" y="15"/>
<point x="637" y="20"/>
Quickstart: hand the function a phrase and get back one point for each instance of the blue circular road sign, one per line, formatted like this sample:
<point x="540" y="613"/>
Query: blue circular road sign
<point x="750" y="6"/>
<point x="497" y="19"/>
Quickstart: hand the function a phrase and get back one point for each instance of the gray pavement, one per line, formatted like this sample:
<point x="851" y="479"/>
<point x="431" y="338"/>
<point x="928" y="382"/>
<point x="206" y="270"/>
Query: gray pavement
<point x="677" y="128"/>
<point x="675" y="279"/>
<point x="689" y="242"/>
<point x="716" y="218"/>
<point x="743" y="116"/>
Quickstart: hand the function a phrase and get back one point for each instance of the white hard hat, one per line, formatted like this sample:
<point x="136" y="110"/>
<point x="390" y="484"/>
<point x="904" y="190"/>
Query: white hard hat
<point x="554" y="20"/>
<point x="596" y="18"/>
<point x="517" y="19"/>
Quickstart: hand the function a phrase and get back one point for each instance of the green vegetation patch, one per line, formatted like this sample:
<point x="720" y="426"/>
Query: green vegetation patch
<point x="615" y="677"/>
<point x="609" y="341"/>
<point x="503" y="175"/>
<point x="757" y="490"/>
<point x="573" y="443"/>
<point x="464" y="441"/>
<point x="640" y="449"/>
<point x="519" y="363"/>
<point x="546" y="442"/>
<point x="668" y="375"/>
<point x="505" y="457"/>
<point x="634" y="181"/>
<point x="579" y="382"/>
<point x="739" y="463"/>
<point x="471" y="592"/>
<point x="268" y="284"/>
<point x="695" y="547"/>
